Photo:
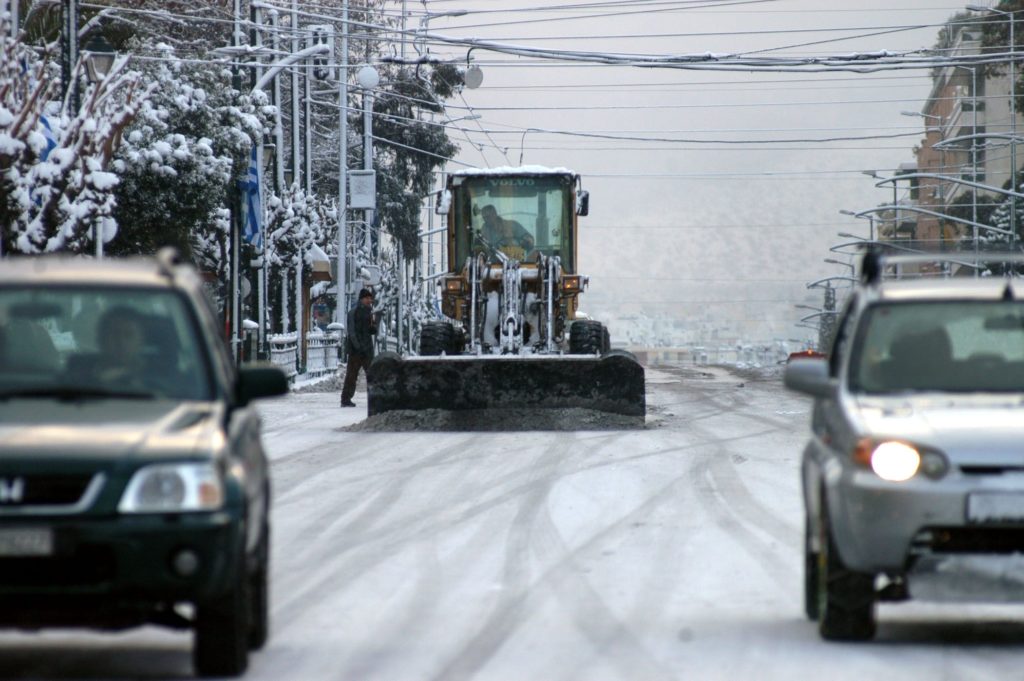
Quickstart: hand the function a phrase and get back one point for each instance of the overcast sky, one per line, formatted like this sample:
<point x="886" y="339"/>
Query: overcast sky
<point x="720" y="236"/>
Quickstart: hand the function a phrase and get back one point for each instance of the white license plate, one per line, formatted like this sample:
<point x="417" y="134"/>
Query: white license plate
<point x="26" y="541"/>
<point x="995" y="507"/>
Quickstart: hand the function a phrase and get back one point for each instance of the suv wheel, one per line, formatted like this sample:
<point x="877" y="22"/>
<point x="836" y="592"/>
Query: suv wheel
<point x="846" y="599"/>
<point x="259" y="591"/>
<point x="221" y="640"/>
<point x="811" y="576"/>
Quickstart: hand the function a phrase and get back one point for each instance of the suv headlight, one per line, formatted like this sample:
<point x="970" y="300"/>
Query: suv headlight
<point x="898" y="461"/>
<point x="176" y="487"/>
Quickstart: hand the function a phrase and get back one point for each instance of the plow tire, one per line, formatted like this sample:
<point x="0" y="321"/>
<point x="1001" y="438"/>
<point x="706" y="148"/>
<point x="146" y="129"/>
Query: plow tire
<point x="587" y="337"/>
<point x="437" y="338"/>
<point x="458" y="342"/>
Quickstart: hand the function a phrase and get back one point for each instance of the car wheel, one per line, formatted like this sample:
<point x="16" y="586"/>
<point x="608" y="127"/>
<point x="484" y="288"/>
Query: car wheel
<point x="846" y="598"/>
<point x="221" y="638"/>
<point x="811" y="577"/>
<point x="259" y="591"/>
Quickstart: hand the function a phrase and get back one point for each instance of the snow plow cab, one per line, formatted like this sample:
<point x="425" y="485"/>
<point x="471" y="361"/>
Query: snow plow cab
<point x="510" y="336"/>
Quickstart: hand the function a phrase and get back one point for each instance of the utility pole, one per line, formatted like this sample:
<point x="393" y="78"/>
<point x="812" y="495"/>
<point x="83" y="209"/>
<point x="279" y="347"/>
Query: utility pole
<point x="236" y="228"/>
<point x="70" y="37"/>
<point x="341" y="284"/>
<point x="261" y="262"/>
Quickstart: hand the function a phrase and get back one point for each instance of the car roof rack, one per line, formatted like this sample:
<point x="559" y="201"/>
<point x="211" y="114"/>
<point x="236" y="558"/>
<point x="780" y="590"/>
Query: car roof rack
<point x="167" y="259"/>
<point x="877" y="264"/>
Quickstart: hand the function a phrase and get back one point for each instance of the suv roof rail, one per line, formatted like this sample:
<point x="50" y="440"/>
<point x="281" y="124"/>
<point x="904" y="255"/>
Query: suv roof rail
<point x="167" y="259"/>
<point x="876" y="262"/>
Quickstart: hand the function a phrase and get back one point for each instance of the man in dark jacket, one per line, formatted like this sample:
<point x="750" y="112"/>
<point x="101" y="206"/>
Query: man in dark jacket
<point x="360" y="328"/>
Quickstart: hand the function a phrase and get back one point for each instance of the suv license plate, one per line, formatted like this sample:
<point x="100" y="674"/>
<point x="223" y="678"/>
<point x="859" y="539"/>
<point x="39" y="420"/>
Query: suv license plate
<point x="994" y="507"/>
<point x="29" y="541"/>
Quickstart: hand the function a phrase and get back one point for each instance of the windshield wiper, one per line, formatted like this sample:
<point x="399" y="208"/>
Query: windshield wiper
<point x="75" y="393"/>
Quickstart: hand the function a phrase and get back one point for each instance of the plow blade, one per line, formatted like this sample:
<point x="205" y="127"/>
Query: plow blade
<point x="612" y="383"/>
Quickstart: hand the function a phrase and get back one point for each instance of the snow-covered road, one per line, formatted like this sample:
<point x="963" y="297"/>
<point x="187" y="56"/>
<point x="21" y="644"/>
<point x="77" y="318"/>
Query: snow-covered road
<point x="668" y="553"/>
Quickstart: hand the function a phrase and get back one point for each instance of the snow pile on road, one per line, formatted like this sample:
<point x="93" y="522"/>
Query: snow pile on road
<point x="440" y="420"/>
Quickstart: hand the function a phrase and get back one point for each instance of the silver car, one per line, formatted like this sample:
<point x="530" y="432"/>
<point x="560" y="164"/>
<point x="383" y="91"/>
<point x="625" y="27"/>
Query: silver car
<point x="913" y="479"/>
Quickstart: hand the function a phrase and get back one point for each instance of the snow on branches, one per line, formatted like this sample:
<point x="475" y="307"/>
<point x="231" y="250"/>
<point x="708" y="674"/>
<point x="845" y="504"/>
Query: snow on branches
<point x="55" y="190"/>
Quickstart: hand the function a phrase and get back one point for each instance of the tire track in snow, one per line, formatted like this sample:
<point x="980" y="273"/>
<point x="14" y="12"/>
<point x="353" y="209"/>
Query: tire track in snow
<point x="331" y="529"/>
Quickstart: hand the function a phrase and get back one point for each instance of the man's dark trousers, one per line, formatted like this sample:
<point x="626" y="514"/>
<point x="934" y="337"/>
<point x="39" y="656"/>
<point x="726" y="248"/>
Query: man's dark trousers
<point x="356" y="362"/>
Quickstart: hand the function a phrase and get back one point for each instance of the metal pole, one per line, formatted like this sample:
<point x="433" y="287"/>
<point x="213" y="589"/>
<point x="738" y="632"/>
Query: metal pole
<point x="974" y="162"/>
<point x="70" y="52"/>
<point x="404" y="9"/>
<point x="261" y="260"/>
<point x="307" y="133"/>
<point x="278" y="125"/>
<point x="341" y="283"/>
<point x="296" y="165"/>
<point x="401" y="292"/>
<point x="236" y="215"/>
<point x="1013" y="130"/>
<point x="368" y="163"/>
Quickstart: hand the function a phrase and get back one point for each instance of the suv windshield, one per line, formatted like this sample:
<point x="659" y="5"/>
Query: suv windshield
<point x="99" y="342"/>
<point x="954" y="346"/>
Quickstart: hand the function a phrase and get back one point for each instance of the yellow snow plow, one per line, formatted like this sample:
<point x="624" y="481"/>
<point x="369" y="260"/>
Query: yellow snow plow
<point x="510" y="336"/>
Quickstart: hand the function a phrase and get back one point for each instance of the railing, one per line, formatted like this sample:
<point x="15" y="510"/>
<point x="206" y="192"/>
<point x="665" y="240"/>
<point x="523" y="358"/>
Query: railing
<point x="321" y="353"/>
<point x="284" y="353"/>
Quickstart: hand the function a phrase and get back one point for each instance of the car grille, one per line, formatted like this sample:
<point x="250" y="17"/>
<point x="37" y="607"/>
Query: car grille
<point x="59" y="492"/>
<point x="87" y="566"/>
<point x="970" y="540"/>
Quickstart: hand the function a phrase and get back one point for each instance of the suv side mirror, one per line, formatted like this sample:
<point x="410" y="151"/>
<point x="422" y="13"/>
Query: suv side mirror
<point x="809" y="376"/>
<point x="583" y="203"/>
<point x="259" y="380"/>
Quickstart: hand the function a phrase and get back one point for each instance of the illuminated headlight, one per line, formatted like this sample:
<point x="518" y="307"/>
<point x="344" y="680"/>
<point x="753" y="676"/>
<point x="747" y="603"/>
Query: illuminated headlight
<point x="456" y="285"/>
<point x="895" y="461"/>
<point x="170" y="488"/>
<point x="571" y="283"/>
<point x="899" y="461"/>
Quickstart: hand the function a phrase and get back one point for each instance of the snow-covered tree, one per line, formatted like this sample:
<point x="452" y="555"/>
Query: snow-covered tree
<point x="55" y="191"/>
<point x="181" y="158"/>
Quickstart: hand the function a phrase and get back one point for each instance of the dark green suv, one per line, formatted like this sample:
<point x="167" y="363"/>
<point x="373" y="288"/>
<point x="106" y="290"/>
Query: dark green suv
<point x="133" y="482"/>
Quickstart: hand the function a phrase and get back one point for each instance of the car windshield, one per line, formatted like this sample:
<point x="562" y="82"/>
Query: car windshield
<point x="88" y="343"/>
<point x="950" y="346"/>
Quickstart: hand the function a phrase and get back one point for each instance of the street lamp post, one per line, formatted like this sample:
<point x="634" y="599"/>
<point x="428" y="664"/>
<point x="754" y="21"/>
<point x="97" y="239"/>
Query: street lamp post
<point x="1011" y="19"/>
<point x="99" y="58"/>
<point x="871" y="219"/>
<point x="895" y="199"/>
<point x="833" y="261"/>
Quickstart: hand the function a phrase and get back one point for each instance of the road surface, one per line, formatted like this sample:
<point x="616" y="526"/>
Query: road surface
<point x="672" y="552"/>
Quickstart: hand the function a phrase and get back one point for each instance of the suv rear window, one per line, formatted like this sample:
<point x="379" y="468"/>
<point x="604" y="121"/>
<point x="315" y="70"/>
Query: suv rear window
<point x="140" y="340"/>
<point x="954" y="346"/>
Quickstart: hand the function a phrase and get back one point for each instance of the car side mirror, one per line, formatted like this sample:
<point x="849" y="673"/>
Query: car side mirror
<point x="259" y="380"/>
<point x="583" y="203"/>
<point x="809" y="376"/>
